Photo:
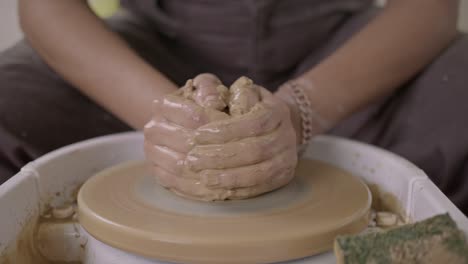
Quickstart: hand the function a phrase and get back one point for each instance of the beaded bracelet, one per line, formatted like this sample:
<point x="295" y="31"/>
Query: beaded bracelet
<point x="308" y="116"/>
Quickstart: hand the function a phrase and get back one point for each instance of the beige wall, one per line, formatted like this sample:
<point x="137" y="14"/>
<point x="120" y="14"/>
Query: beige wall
<point x="464" y="15"/>
<point x="9" y="30"/>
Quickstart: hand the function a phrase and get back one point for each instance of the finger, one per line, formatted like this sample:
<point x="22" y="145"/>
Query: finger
<point x="269" y="99"/>
<point x="210" y="93"/>
<point x="162" y="133"/>
<point x="260" y="120"/>
<point x="244" y="152"/>
<point x="279" y="180"/>
<point x="165" y="158"/>
<point x="250" y="175"/>
<point x="212" y="97"/>
<point x="187" y="187"/>
<point x="187" y="113"/>
<point x="244" y="95"/>
<point x="182" y="111"/>
<point x="206" y="80"/>
<point x="193" y="189"/>
<point x="156" y="109"/>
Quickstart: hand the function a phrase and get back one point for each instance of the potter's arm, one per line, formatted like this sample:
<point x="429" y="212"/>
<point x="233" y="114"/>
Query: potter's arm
<point x="77" y="44"/>
<point x="393" y="47"/>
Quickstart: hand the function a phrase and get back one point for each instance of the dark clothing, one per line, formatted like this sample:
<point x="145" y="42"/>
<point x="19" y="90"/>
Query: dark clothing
<point x="263" y="39"/>
<point x="268" y="41"/>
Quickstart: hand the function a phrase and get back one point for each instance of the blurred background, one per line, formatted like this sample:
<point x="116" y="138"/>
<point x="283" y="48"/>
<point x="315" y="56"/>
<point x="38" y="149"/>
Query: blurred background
<point x="10" y="32"/>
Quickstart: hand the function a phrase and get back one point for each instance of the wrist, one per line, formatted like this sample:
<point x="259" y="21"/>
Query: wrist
<point x="306" y="119"/>
<point x="285" y="96"/>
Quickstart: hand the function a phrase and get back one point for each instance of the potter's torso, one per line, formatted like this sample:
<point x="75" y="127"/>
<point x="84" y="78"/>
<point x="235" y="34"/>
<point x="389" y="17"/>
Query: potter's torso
<point x="263" y="39"/>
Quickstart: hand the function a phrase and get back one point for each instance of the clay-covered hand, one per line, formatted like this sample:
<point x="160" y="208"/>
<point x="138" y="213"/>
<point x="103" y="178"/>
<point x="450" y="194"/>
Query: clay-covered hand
<point x="210" y="143"/>
<point x="169" y="136"/>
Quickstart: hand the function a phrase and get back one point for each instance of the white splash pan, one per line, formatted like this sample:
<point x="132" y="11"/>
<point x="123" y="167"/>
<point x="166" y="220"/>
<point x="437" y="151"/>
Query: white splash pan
<point x="52" y="179"/>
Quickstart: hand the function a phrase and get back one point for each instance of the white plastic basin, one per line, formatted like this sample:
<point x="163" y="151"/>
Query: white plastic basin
<point x="54" y="178"/>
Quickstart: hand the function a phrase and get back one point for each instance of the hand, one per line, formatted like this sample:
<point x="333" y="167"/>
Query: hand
<point x="169" y="136"/>
<point x="208" y="143"/>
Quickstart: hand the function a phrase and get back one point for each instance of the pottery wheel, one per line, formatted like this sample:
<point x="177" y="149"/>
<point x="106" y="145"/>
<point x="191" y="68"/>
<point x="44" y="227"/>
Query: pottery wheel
<point x="125" y="208"/>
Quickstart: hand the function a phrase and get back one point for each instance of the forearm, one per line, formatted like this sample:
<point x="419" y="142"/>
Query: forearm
<point x="78" y="45"/>
<point x="391" y="49"/>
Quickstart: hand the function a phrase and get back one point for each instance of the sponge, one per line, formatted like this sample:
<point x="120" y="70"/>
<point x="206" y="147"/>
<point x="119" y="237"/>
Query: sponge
<point x="435" y="240"/>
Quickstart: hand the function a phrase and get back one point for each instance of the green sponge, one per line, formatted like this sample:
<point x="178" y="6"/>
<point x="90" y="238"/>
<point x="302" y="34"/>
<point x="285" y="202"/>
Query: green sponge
<point x="435" y="240"/>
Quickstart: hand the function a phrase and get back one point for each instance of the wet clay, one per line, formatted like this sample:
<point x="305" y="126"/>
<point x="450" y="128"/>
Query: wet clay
<point x="25" y="250"/>
<point x="385" y="201"/>
<point x="125" y="207"/>
<point x="203" y="155"/>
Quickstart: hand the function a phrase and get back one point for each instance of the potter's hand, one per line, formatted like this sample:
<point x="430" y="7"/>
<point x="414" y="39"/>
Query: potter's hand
<point x="251" y="152"/>
<point x="208" y="143"/>
<point x="169" y="136"/>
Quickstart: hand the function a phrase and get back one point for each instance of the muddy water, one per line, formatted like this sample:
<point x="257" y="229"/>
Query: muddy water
<point x="385" y="201"/>
<point x="24" y="250"/>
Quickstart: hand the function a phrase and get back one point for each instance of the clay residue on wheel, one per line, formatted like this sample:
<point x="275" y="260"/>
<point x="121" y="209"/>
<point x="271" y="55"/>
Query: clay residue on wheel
<point x="387" y="202"/>
<point x="25" y="249"/>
